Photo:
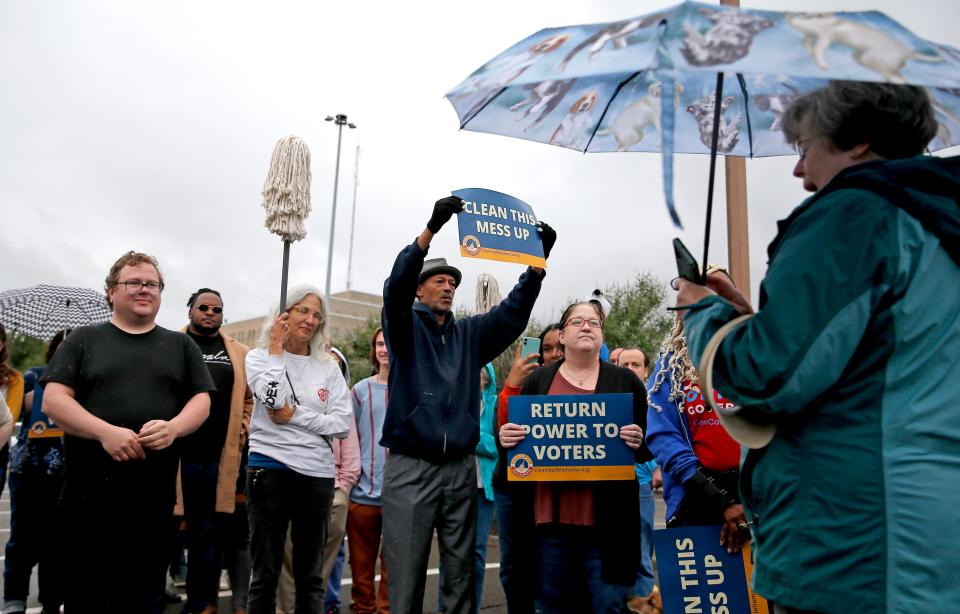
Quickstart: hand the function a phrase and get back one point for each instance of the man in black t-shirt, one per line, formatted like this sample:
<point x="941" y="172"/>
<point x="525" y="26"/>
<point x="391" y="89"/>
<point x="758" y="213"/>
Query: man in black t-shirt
<point x="210" y="458"/>
<point x="123" y="392"/>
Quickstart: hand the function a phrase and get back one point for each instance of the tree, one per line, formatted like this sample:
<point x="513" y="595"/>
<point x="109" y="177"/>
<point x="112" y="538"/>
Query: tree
<point x="25" y="352"/>
<point x="637" y="314"/>
<point x="355" y="346"/>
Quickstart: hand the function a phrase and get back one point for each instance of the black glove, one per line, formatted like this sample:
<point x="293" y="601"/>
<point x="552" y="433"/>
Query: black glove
<point x="443" y="210"/>
<point x="548" y="236"/>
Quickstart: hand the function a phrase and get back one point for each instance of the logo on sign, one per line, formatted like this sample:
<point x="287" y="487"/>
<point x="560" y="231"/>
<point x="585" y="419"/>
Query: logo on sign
<point x="323" y="393"/>
<point x="521" y="465"/>
<point x="471" y="244"/>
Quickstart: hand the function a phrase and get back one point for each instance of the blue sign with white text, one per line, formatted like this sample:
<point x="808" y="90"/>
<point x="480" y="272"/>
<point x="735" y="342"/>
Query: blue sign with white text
<point x="497" y="226"/>
<point x="571" y="437"/>
<point x="697" y="574"/>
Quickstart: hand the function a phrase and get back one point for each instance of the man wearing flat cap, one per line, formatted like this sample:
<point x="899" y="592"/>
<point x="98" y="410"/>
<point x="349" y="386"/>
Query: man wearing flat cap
<point x="431" y="427"/>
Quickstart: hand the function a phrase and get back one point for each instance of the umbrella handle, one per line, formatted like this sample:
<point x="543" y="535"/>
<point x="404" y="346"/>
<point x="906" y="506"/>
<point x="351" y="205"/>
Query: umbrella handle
<point x="718" y="96"/>
<point x="283" y="276"/>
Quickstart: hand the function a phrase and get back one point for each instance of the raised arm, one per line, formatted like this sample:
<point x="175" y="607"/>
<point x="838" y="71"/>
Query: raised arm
<point x="500" y="326"/>
<point x="400" y="289"/>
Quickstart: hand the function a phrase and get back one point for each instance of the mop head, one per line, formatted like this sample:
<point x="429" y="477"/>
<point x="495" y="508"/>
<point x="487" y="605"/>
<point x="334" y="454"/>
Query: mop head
<point x="488" y="293"/>
<point x="286" y="192"/>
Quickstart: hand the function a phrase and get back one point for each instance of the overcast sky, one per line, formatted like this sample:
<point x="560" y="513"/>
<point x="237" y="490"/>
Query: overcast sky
<point x="150" y="125"/>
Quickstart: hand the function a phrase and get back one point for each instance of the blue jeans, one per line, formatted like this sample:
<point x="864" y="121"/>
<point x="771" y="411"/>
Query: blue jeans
<point x="332" y="598"/>
<point x="484" y="525"/>
<point x="645" y="579"/>
<point x="199" y="483"/>
<point x="518" y="549"/>
<point x="570" y="580"/>
<point x="277" y="499"/>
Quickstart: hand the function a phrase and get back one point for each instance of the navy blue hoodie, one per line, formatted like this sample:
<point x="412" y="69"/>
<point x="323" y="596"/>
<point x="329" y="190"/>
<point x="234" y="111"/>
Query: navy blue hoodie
<point x="435" y="371"/>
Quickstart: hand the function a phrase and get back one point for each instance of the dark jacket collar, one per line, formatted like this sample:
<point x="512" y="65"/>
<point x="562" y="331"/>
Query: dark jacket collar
<point x="428" y="315"/>
<point x="604" y="379"/>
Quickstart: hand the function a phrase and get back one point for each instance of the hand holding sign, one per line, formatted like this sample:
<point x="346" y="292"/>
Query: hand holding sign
<point x="548" y="236"/>
<point x="632" y="435"/>
<point x="511" y="434"/>
<point x="443" y="210"/>
<point x="497" y="226"/>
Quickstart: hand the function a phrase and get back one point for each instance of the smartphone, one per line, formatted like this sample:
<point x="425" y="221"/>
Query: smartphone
<point x="530" y="345"/>
<point x="686" y="264"/>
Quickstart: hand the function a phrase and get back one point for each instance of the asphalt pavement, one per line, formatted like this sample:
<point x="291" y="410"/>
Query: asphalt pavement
<point x="493" y="601"/>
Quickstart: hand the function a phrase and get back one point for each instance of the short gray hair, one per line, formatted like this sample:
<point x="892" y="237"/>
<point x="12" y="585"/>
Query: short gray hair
<point x="318" y="343"/>
<point x="896" y="120"/>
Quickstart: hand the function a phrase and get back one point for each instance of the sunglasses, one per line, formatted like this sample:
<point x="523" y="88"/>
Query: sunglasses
<point x="205" y="308"/>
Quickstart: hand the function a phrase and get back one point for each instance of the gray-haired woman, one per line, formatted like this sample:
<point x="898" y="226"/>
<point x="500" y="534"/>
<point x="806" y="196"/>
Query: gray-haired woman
<point x="301" y="400"/>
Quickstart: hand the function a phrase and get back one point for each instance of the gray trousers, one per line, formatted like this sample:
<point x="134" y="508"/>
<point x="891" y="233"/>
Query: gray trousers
<point x="417" y="498"/>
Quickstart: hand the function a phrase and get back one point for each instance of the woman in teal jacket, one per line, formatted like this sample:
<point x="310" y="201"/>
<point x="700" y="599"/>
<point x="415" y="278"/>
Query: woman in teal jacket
<point x="852" y="358"/>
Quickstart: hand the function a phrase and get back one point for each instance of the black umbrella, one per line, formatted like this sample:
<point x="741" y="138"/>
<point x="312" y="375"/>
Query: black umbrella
<point x="42" y="311"/>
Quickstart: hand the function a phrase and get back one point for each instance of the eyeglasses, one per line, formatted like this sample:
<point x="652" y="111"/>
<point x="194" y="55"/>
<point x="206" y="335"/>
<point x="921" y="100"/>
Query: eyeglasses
<point x="305" y="310"/>
<point x="134" y="286"/>
<point x="803" y="146"/>
<point x="579" y="322"/>
<point x="214" y="308"/>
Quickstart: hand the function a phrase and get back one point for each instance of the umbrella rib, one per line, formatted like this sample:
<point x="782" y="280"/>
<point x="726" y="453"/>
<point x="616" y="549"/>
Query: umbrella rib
<point x="464" y="123"/>
<point x="607" y="107"/>
<point x="746" y="110"/>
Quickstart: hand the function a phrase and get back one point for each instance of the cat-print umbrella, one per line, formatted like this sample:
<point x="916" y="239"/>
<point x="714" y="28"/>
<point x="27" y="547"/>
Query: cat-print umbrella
<point x="695" y="78"/>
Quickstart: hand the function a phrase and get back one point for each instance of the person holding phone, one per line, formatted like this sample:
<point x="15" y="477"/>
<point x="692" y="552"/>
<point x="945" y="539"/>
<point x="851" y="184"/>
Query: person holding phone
<point x="516" y="530"/>
<point x="301" y="401"/>
<point x="700" y="460"/>
<point x="851" y="359"/>
<point x="582" y="527"/>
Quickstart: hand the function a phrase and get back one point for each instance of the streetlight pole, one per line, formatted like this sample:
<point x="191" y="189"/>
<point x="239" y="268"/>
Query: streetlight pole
<point x="340" y="120"/>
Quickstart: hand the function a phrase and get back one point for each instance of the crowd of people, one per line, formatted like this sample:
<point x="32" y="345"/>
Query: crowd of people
<point x="269" y="458"/>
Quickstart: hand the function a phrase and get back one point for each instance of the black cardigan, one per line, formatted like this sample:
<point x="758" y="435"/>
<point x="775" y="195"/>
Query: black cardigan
<point x="616" y="504"/>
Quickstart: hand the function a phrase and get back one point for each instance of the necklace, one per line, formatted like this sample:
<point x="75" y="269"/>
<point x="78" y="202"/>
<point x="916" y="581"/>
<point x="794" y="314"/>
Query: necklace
<point x="579" y="380"/>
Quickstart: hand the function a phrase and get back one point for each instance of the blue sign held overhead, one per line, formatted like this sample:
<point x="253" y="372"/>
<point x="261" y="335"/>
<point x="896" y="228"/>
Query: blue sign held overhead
<point x="497" y="226"/>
